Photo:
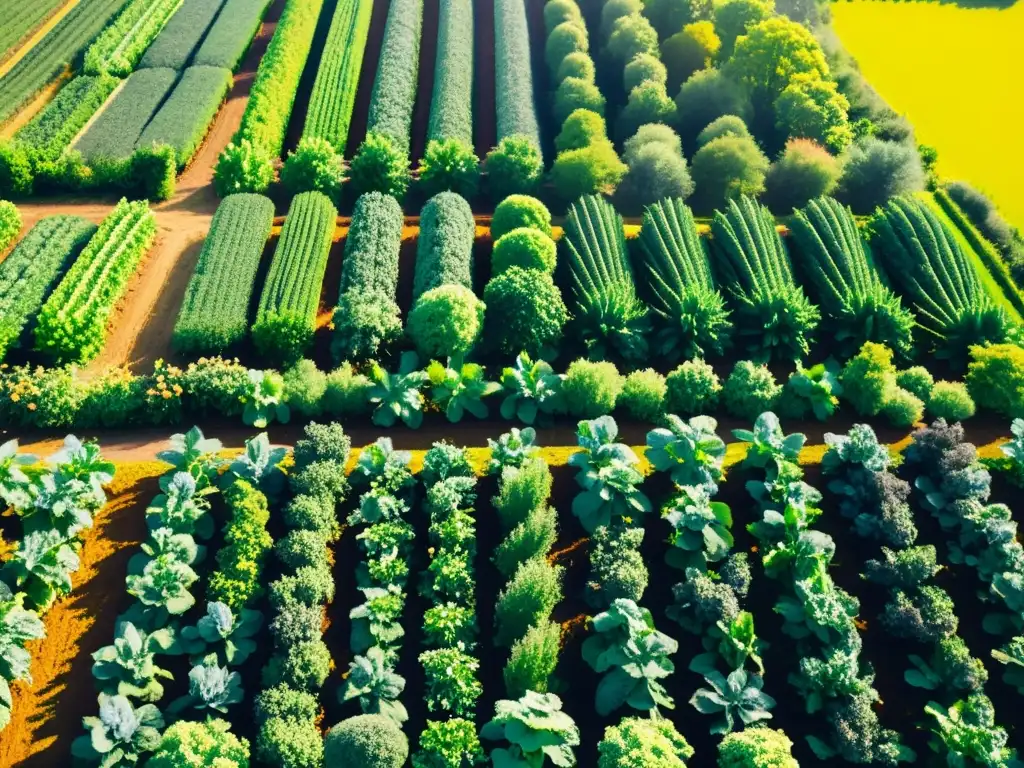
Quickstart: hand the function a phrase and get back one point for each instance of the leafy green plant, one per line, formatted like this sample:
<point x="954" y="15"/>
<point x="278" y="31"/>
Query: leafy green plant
<point x="701" y="528"/>
<point x="220" y="625"/>
<point x="531" y="390"/>
<point x="640" y="741"/>
<point x="736" y="697"/>
<point x="209" y="743"/>
<point x="120" y="734"/>
<point x="42" y="565"/>
<point x="195" y="454"/>
<point x="608" y="475"/>
<point x="511" y="449"/>
<point x="259" y="465"/>
<point x="377" y="621"/>
<point x="966" y="733"/>
<point x="535" y="730"/>
<point x="397" y="396"/>
<point x="160" y="576"/>
<point x="210" y="686"/>
<point x="451" y="681"/>
<point x="690" y="451"/>
<point x="263" y="400"/>
<point x="769" y="443"/>
<point x="182" y="506"/>
<point x="1012" y="656"/>
<point x="447" y="744"/>
<point x="813" y="390"/>
<point x="374" y="682"/>
<point x="459" y="388"/>
<point x="128" y="667"/>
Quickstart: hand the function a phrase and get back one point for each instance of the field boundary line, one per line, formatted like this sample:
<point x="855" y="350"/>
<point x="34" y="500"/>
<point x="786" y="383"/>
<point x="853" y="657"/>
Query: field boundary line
<point x="39" y="34"/>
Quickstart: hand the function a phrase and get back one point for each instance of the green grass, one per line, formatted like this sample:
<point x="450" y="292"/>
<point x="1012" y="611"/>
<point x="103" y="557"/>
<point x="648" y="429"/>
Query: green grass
<point x="20" y="18"/>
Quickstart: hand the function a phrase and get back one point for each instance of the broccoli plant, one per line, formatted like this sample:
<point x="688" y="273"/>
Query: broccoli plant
<point x="378" y="620"/>
<point x="258" y="465"/>
<point x="532" y="390"/>
<point x="690" y="451"/>
<point x="161" y="575"/>
<point x="220" y="626"/>
<point x="769" y="443"/>
<point x="373" y="680"/>
<point x="14" y="483"/>
<point x="608" y="475"/>
<point x="459" y="388"/>
<point x="182" y="506"/>
<point x="397" y="396"/>
<point x="41" y="567"/>
<point x="634" y="655"/>
<point x="950" y="666"/>
<point x="263" y="398"/>
<point x="210" y="686"/>
<point x="858" y="448"/>
<point x="701" y="528"/>
<point x="702" y="602"/>
<point x="512" y="449"/>
<point x="194" y="454"/>
<point x="535" y="730"/>
<point x="966" y="734"/>
<point x="738" y="696"/>
<point x="120" y="735"/>
<point x="128" y="667"/>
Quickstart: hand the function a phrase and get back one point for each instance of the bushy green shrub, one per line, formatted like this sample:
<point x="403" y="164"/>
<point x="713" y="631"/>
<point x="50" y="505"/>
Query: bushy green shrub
<point x="875" y="171"/>
<point x="525" y="312"/>
<point x="365" y="321"/>
<point x="380" y="166"/>
<point x="449" y="165"/>
<point x="533" y="660"/>
<point x="689" y="50"/>
<point x="581" y="129"/>
<point x="756" y="748"/>
<point x="242" y="167"/>
<point x="613" y="10"/>
<point x="591" y="389"/>
<point x="590" y="170"/>
<point x="902" y="409"/>
<point x="568" y="37"/>
<point x="517" y="211"/>
<point x="521" y="491"/>
<point x="648" y="102"/>
<point x="653" y="133"/>
<point x="347" y="392"/>
<point x="366" y="740"/>
<point x="290" y="743"/>
<point x="644" y="743"/>
<point x="995" y="378"/>
<point x="734" y="17"/>
<point x="304" y="387"/>
<point x="656" y="172"/>
<point x="557" y="11"/>
<point x="301" y="548"/>
<point x="446" y="321"/>
<point x="726" y="125"/>
<point x="642" y="68"/>
<point x="527" y="600"/>
<point x="314" y="165"/>
<point x="297" y="623"/>
<point x="533" y="537"/>
<point x="10" y="224"/>
<point x="631" y="35"/>
<point x="16" y="170"/>
<point x="448" y="744"/>
<point x="311" y="513"/>
<point x="750" y="390"/>
<point x="693" y="389"/>
<point x="524" y="247"/>
<point x="200" y="745"/>
<point x="514" y="167"/>
<point x="311" y="586"/>
<point x="572" y="94"/>
<point x="869" y="379"/>
<point x="304" y="666"/>
<point x="804" y="171"/>
<point x="725" y="168"/>
<point x="705" y="96"/>
<point x="321" y="443"/>
<point x="282" y="702"/>
<point x="917" y="381"/>
<point x="643" y="395"/>
<point x="951" y="401"/>
<point x="578" y="65"/>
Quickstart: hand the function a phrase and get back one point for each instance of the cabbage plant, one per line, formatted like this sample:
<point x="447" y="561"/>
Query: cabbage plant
<point x="195" y="454"/>
<point x="210" y="686"/>
<point x="608" y="475"/>
<point x="120" y="734"/>
<point x="41" y="567"/>
<point x="512" y="449"/>
<point x="532" y="390"/>
<point x="736" y="697"/>
<point x="534" y="729"/>
<point x="690" y="451"/>
<point x="263" y="399"/>
<point x="459" y="388"/>
<point x="128" y="666"/>
<point x="258" y="465"/>
<point x="768" y="442"/>
<point x="373" y="680"/>
<point x="221" y="626"/>
<point x="701" y="528"/>
<point x="398" y="396"/>
<point x="182" y="506"/>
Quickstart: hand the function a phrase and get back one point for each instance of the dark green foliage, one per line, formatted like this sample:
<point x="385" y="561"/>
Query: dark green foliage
<point x="705" y="96"/>
<point x="527" y="600"/>
<point x="230" y="35"/>
<point x="532" y="660"/>
<point x="656" y="172"/>
<point x="394" y="87"/>
<point x="522" y="491"/>
<point x="366" y="740"/>
<point x="49" y="133"/>
<point x="181" y="35"/>
<point x="381" y="165"/>
<point x="693" y="389"/>
<point x="451" y="106"/>
<point x="875" y="171"/>
<point x="525" y="312"/>
<point x="802" y="172"/>
<point x="617" y="569"/>
<point x="444" y="249"/>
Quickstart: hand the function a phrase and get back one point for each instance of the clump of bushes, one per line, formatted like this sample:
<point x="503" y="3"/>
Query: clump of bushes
<point x="643" y="395"/>
<point x="750" y="390"/>
<point x="726" y="168"/>
<point x="871" y="385"/>
<point x="380" y="166"/>
<point x="692" y="389"/>
<point x="314" y="166"/>
<point x="804" y="171"/>
<point x="517" y="211"/>
<point x="243" y="167"/>
<point x="513" y="167"/>
<point x="524" y="247"/>
<point x="875" y="171"/>
<point x="366" y="740"/>
<point x="525" y="312"/>
<point x="446" y="321"/>
<point x="449" y="165"/>
<point x="591" y="389"/>
<point x="995" y="378"/>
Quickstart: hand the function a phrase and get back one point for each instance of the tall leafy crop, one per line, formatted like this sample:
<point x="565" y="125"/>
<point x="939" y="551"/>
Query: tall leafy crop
<point x="925" y="259"/>
<point x="32" y="269"/>
<point x="334" y="92"/>
<point x="394" y="89"/>
<point x="181" y="35"/>
<point x="451" y="107"/>
<point x="291" y="294"/>
<point x="610" y="317"/>
<point x="273" y="91"/>
<point x="774" y="317"/>
<point x="73" y="321"/>
<point x="513" y="90"/>
<point x="679" y="283"/>
<point x="444" y="250"/>
<point x="230" y="35"/>
<point x="852" y="291"/>
<point x="49" y="133"/>
<point x="120" y="46"/>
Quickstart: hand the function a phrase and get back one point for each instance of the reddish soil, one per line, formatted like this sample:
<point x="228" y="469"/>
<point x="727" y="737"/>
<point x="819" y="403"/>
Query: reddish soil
<point x="364" y="93"/>
<point x="425" y="83"/>
<point x="485" y="118"/>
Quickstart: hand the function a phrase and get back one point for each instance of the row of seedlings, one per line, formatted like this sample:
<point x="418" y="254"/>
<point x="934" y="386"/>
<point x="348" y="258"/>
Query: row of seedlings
<point x="817" y="614"/>
<point x="56" y="502"/>
<point x="287" y="708"/>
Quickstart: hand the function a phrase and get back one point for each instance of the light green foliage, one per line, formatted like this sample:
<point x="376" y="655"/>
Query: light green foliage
<point x="522" y="490"/>
<point x="813" y="108"/>
<point x="677" y="273"/>
<point x="655" y="133"/>
<point x="726" y="125"/>
<point x="772" y="53"/>
<point x="669" y="16"/>
<point x="734" y="17"/>
<point x="291" y="294"/>
<point x="641" y="68"/>
<point x="566" y="38"/>
<point x="533" y="537"/>
<point x="120" y="46"/>
<point x="613" y="10"/>
<point x="578" y="65"/>
<point x="380" y="166"/>
<point x="917" y="381"/>
<point x="243" y="167"/>
<point x="557" y="11"/>
<point x="643" y="395"/>
<point x="533" y="728"/>
<point x="750" y="390"/>
<point x="449" y="744"/>
<point x="902" y="409"/>
<point x="524" y="247"/>
<point x="773" y="315"/>
<point x="869" y="379"/>
<point x="451" y="681"/>
<point x="648" y="102"/>
<point x="290" y="742"/>
<point x="314" y="166"/>
<point x="591" y="170"/>
<point x="525" y="312"/>
<point x="444" y="249"/>
<point x="231" y="34"/>
<point x="727" y="168"/>
<point x="630" y="35"/>
<point x="574" y="93"/>
<point x="643" y="743"/>
<point x="617" y="568"/>
<point x="72" y="324"/>
<point x="214" y="313"/>
<point x="394" y="87"/>
<point x="50" y="132"/>
<point x="238" y="578"/>
<point x="853" y="294"/>
<point x="513" y="90"/>
<point x="924" y="258"/>
<point x="347" y="392"/>
<point x="517" y="211"/>
<point x="532" y="390"/>
<point x="533" y="659"/>
<point x="10" y="224"/>
<point x="366" y="740"/>
<point x="514" y="167"/>
<point x="200" y="745"/>
<point x="812" y="391"/>
<point x="446" y="321"/>
<point x="995" y="378"/>
<point x="691" y="49"/>
<point x="693" y="389"/>
<point x="951" y="401"/>
<point x="591" y="389"/>
<point x="967" y="733"/>
<point x="449" y="165"/>
<point x="527" y="600"/>
<point x="458" y="388"/>
<point x="397" y="396"/>
<point x="756" y="748"/>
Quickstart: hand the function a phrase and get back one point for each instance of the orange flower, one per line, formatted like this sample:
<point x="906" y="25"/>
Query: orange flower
<point x="166" y="395"/>
<point x="31" y="406"/>
<point x="15" y="397"/>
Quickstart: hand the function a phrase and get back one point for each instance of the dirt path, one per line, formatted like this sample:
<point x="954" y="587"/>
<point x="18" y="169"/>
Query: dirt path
<point x="364" y="92"/>
<point x="425" y="84"/>
<point x="485" y="119"/>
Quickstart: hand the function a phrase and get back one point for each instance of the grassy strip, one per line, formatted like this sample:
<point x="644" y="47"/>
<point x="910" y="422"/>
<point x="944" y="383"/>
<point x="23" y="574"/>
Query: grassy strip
<point x="118" y="49"/>
<point x="394" y="89"/>
<point x="214" y="314"/>
<point x="451" y="107"/>
<point x="54" y="53"/>
<point x="32" y="269"/>
<point x="116" y="131"/>
<point x="73" y="321"/>
<point x="334" y="92"/>
<point x="185" y="117"/>
<point x="20" y="18"/>
<point x="514" y="97"/>
<point x="181" y="36"/>
<point x="50" y="132"/>
<point x="231" y="34"/>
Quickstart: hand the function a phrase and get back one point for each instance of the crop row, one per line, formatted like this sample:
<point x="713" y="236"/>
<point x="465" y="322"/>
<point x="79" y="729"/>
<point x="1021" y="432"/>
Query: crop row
<point x="514" y="92"/>
<point x="451" y="106"/>
<point x="287" y="310"/>
<point x="444" y="250"/>
<point x="120" y="46"/>
<point x="50" y="132"/>
<point x="20" y="19"/>
<point x="10" y="224"/>
<point x="73" y="322"/>
<point x="181" y="35"/>
<point x="277" y="80"/>
<point x="231" y="34"/>
<point x="214" y="313"/>
<point x="334" y="92"/>
<point x="394" y="88"/>
<point x="32" y="269"/>
<point x="56" y="51"/>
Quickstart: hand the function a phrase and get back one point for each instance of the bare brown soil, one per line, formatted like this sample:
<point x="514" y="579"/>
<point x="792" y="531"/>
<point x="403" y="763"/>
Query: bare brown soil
<point x="364" y="92"/>
<point x="425" y="82"/>
<point x="485" y="118"/>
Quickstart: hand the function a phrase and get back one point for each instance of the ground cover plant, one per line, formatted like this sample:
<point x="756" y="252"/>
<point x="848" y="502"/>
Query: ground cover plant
<point x="51" y="131"/>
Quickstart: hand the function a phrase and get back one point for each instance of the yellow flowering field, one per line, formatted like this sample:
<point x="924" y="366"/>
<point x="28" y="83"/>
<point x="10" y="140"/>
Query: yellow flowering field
<point x="958" y="74"/>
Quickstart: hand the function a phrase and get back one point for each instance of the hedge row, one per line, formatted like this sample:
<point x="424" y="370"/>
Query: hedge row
<point x="10" y="224"/>
<point x="49" y="133"/>
<point x="444" y="249"/>
<point x="181" y="36"/>
<point x="451" y="107"/>
<point x="272" y="98"/>
<point x="514" y="97"/>
<point x="73" y="321"/>
<point x="394" y="89"/>
<point x="54" y="53"/>
<point x="291" y="295"/>
<point x="32" y="269"/>
<point x="334" y="92"/>
<point x="116" y="131"/>
<point x="232" y="33"/>
<point x="120" y="46"/>
<point x="185" y="117"/>
<point x="215" y="313"/>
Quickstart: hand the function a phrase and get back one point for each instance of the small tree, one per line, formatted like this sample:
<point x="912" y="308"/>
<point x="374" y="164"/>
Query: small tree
<point x="688" y="51"/>
<point x="707" y="95"/>
<point x="727" y="168"/>
<point x="803" y="172"/>
<point x="875" y="171"/>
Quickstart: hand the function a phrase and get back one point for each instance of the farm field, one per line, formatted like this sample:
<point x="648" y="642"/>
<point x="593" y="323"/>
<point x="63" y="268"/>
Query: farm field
<point x="904" y="51"/>
<point x="526" y="384"/>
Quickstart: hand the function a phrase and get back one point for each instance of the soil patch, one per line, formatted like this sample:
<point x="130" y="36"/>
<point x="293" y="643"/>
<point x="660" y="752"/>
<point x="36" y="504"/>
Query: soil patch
<point x="485" y="118"/>
<point x="425" y="84"/>
<point x="364" y="93"/>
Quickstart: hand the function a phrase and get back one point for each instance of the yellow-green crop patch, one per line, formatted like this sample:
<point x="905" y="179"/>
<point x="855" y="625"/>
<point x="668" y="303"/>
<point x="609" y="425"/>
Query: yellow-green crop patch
<point x="954" y="72"/>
